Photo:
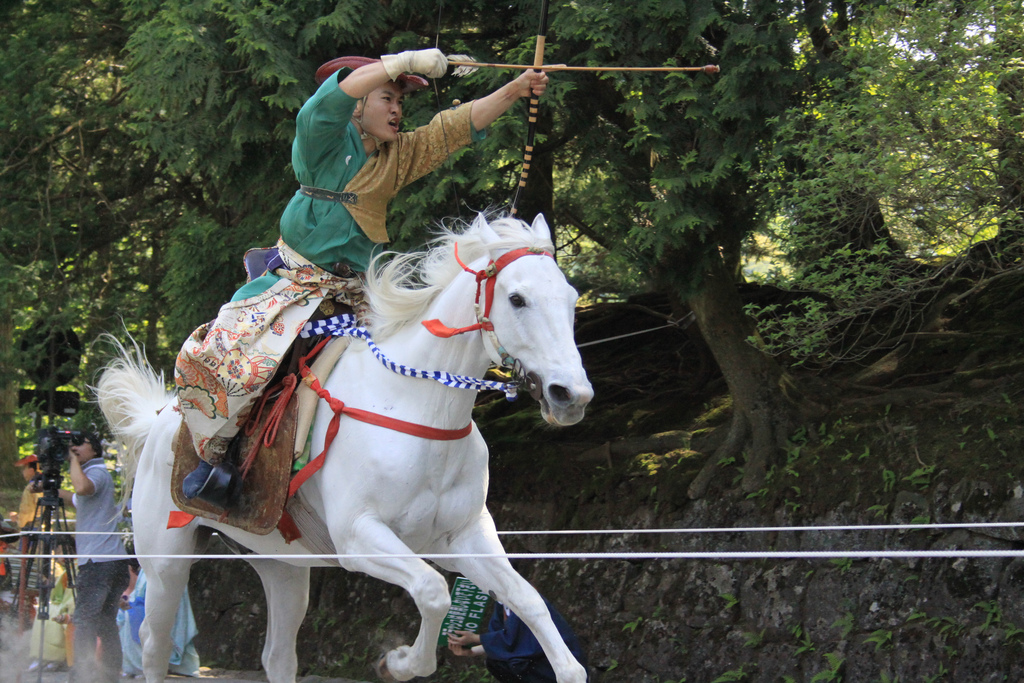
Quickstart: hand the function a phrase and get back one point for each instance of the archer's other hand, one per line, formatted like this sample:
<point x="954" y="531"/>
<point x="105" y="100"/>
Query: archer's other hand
<point x="431" y="63"/>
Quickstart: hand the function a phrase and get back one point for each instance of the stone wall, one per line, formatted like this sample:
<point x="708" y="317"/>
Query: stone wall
<point x="702" y="621"/>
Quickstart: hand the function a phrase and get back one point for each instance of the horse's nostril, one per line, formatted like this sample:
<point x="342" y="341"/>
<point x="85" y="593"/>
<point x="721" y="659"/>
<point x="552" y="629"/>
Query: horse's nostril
<point x="560" y="394"/>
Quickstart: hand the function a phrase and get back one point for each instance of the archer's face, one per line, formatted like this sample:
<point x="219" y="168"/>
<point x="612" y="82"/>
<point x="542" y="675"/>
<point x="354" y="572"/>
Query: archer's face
<point x="382" y="112"/>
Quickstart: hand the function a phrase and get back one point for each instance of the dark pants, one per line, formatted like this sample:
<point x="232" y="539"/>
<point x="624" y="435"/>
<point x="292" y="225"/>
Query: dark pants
<point x="97" y="595"/>
<point x="518" y="671"/>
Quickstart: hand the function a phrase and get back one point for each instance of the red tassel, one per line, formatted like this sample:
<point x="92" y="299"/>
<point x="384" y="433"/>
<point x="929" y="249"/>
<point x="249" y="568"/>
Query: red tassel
<point x="177" y="519"/>
<point x="439" y="329"/>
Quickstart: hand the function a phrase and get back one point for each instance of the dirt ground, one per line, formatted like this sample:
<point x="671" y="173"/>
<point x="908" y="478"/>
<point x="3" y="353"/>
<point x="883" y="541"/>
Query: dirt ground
<point x="219" y="675"/>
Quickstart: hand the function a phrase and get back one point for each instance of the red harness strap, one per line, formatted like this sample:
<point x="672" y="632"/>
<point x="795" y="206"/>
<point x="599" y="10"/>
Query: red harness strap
<point x="490" y="275"/>
<point x="366" y="416"/>
<point x="268" y="436"/>
<point x="487" y="275"/>
<point x="287" y="526"/>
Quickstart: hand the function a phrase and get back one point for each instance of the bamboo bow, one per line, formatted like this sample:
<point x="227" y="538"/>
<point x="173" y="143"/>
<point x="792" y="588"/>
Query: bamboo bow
<point x="531" y="131"/>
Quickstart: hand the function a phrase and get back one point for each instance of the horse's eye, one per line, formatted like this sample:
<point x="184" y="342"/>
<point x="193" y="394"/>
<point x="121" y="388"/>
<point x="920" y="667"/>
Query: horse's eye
<point x="517" y="301"/>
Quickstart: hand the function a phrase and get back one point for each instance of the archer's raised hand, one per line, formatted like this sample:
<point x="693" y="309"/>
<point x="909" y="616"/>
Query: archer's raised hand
<point x="430" y="62"/>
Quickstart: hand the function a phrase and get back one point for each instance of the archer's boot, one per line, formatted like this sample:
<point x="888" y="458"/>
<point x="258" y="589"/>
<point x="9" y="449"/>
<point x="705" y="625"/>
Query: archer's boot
<point x="219" y="485"/>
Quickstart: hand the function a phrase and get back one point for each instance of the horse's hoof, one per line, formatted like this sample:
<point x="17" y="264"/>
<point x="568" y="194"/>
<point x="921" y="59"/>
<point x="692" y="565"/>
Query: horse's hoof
<point x="380" y="667"/>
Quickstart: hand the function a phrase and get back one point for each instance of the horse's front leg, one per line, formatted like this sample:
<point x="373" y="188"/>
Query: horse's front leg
<point x="496" y="575"/>
<point x="426" y="586"/>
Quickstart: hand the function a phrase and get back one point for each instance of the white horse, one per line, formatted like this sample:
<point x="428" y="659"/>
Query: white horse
<point x="384" y="496"/>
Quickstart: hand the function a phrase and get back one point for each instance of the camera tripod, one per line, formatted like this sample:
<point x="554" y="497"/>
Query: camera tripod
<point x="48" y="537"/>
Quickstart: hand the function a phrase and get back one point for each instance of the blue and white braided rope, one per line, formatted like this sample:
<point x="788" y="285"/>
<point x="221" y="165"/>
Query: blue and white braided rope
<point x="345" y="326"/>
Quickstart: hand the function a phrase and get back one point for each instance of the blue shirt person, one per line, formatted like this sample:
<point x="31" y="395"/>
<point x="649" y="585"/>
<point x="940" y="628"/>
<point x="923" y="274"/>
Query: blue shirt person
<point x="513" y="653"/>
<point x="102" y="563"/>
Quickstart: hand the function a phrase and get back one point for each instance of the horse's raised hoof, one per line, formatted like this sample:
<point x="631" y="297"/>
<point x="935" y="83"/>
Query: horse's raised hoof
<point x="380" y="667"/>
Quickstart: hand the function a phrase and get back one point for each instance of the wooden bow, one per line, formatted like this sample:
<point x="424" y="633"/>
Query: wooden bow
<point x="531" y="131"/>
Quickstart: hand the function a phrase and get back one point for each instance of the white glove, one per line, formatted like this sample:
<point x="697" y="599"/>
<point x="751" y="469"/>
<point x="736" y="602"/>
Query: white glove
<point x="430" y="63"/>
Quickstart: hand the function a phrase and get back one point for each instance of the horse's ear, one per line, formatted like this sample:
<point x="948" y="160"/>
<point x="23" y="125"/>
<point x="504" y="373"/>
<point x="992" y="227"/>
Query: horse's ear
<point x="540" y="228"/>
<point x="484" y="229"/>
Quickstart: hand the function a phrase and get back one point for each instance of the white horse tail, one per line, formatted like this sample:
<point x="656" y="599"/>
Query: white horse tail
<point x="131" y="395"/>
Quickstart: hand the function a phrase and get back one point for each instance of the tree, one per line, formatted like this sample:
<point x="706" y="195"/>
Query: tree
<point x="919" y="122"/>
<point x="680" y="178"/>
<point x="80" y="223"/>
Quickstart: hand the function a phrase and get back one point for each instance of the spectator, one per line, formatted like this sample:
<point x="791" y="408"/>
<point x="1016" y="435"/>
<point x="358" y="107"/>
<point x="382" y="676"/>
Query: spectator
<point x="184" y="658"/>
<point x="513" y="653"/>
<point x="8" y="536"/>
<point x="29" y="496"/>
<point x="102" y="574"/>
<point x="58" y="630"/>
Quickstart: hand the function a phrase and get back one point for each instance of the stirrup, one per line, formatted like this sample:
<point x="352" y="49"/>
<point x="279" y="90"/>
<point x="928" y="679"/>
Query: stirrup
<point x="219" y="485"/>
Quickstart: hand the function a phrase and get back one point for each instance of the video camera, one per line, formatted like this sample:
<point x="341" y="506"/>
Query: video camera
<point x="52" y="451"/>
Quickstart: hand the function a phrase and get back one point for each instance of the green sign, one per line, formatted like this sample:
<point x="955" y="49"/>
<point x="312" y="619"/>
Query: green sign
<point x="470" y="610"/>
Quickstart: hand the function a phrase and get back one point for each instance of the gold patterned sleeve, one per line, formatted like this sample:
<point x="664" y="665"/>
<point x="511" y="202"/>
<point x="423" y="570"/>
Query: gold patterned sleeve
<point x="426" y="148"/>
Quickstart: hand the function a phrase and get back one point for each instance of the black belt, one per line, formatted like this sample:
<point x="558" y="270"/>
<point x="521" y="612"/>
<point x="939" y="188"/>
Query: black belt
<point x="328" y="195"/>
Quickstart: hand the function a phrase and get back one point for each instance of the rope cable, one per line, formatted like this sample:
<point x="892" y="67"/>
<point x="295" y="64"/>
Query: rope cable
<point x="629" y="556"/>
<point x="668" y="530"/>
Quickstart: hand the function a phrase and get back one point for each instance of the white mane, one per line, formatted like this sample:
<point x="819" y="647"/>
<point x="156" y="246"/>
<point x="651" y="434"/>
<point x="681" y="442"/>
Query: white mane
<point x="401" y="286"/>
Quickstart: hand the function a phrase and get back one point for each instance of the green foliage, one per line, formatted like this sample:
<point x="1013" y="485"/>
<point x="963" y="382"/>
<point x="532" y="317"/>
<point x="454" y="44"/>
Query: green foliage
<point x="632" y="625"/>
<point x="899" y="152"/>
<point x="82" y="215"/>
<point x="882" y="638"/>
<point x="738" y="674"/>
<point x="803" y="639"/>
<point x="845" y="624"/>
<point x="834" y="664"/>
<point x="145" y="147"/>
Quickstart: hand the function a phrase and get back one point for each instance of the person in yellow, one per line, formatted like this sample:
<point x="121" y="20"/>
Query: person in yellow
<point x="58" y="630"/>
<point x="27" y="509"/>
<point x="350" y="159"/>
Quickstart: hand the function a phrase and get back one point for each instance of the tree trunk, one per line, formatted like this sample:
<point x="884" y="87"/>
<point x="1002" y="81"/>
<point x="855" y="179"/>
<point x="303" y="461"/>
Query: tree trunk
<point x="10" y="477"/>
<point x="766" y="409"/>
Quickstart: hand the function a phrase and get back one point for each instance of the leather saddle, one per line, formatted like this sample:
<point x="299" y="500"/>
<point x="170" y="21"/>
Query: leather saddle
<point x="265" y="486"/>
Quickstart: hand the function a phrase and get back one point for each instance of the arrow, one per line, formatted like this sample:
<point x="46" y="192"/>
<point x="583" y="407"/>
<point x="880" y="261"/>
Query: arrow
<point x="471" y="65"/>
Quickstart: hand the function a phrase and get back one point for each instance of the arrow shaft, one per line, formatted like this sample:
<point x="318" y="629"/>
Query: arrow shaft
<point x="710" y="68"/>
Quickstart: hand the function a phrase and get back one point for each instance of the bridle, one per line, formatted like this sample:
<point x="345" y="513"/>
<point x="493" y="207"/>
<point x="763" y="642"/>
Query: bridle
<point x="486" y="280"/>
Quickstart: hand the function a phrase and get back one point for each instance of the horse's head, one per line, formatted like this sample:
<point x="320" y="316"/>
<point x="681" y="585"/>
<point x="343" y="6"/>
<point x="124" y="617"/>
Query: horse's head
<point x="532" y="310"/>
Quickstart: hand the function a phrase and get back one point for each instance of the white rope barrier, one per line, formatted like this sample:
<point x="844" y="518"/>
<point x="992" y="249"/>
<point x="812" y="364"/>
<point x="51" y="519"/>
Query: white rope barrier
<point x="684" y="555"/>
<point x="774" y="529"/>
<point x="706" y="530"/>
<point x="724" y="555"/>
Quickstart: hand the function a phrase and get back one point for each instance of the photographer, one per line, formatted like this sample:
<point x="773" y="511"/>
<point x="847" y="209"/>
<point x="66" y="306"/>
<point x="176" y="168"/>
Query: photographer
<point x="101" y="578"/>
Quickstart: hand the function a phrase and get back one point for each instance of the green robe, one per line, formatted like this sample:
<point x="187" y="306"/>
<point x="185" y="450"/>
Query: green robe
<point x="328" y="153"/>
